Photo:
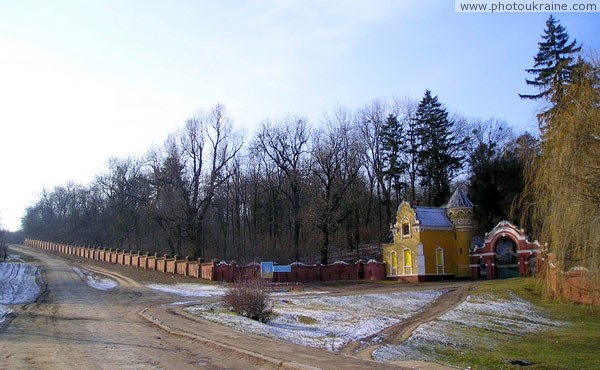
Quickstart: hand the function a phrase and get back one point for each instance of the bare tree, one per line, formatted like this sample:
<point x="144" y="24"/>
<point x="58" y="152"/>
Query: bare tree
<point x="196" y="165"/>
<point x="231" y="213"/>
<point x="267" y="198"/>
<point x="126" y="192"/>
<point x="286" y="146"/>
<point x="370" y="120"/>
<point x="168" y="199"/>
<point x="336" y="153"/>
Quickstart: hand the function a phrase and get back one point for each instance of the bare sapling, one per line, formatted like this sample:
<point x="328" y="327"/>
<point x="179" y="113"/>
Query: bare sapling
<point x="248" y="297"/>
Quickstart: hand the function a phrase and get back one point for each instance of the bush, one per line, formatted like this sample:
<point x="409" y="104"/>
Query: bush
<point x="248" y="297"/>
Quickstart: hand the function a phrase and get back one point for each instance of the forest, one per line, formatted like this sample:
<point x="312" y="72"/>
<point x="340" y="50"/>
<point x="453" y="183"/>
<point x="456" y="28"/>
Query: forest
<point x="328" y="190"/>
<point x="295" y="191"/>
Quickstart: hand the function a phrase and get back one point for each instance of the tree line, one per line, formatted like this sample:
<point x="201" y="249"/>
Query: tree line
<point x="293" y="191"/>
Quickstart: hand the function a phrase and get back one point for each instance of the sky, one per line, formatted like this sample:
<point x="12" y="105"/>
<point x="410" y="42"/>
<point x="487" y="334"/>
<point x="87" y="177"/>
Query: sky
<point x="84" y="81"/>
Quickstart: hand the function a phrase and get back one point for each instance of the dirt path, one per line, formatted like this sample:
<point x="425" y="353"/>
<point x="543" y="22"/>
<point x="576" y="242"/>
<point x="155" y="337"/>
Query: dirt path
<point x="73" y="326"/>
<point x="400" y="332"/>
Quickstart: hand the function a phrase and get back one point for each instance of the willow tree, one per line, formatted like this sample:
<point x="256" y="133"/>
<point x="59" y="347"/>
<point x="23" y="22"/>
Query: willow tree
<point x="562" y="194"/>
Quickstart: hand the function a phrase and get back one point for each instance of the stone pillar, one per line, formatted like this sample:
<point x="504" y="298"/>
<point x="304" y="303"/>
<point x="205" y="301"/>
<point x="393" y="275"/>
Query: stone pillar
<point x="491" y="270"/>
<point x="420" y="260"/>
<point x="522" y="264"/>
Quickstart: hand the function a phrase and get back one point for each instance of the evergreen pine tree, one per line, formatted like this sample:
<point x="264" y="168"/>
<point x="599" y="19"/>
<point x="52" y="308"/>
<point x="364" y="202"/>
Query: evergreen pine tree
<point x="393" y="147"/>
<point x="413" y="146"/>
<point x="554" y="63"/>
<point x="496" y="180"/>
<point x="439" y="154"/>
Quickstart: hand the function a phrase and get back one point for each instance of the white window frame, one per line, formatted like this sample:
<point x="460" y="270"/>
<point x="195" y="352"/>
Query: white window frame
<point x="437" y="265"/>
<point x="405" y="221"/>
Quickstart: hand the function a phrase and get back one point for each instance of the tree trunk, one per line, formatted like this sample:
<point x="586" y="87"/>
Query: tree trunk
<point x="325" y="248"/>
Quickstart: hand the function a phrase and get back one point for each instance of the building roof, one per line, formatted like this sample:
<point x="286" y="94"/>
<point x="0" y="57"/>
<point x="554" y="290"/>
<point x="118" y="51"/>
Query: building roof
<point x="432" y="217"/>
<point x="459" y="200"/>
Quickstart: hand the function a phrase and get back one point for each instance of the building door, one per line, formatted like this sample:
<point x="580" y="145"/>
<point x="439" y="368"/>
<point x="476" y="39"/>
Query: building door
<point x="507" y="263"/>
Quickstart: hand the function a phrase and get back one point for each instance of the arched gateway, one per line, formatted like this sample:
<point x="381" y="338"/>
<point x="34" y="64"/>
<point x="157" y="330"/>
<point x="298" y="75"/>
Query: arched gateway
<point x="506" y="252"/>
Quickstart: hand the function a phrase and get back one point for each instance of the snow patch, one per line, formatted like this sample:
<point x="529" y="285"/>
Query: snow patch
<point x="95" y="281"/>
<point x="299" y="293"/>
<point x="14" y="258"/>
<point x="18" y="283"/>
<point x="325" y="322"/>
<point x="190" y="289"/>
<point x="184" y="303"/>
<point x="513" y="316"/>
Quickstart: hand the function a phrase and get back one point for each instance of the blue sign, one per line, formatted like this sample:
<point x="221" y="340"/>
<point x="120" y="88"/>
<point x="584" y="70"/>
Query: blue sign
<point x="266" y="270"/>
<point x="282" y="268"/>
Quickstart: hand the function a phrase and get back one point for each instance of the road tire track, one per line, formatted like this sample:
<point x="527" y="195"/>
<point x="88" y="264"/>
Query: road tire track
<point x="403" y="330"/>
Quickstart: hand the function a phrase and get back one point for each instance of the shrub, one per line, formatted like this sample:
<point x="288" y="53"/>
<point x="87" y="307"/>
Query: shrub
<point x="248" y="297"/>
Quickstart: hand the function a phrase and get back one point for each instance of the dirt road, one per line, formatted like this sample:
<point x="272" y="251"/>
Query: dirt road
<point x="73" y="326"/>
<point x="400" y="332"/>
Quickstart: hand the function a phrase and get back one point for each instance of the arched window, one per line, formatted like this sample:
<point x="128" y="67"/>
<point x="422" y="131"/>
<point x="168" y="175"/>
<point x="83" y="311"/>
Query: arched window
<point x="393" y="264"/>
<point x="405" y="228"/>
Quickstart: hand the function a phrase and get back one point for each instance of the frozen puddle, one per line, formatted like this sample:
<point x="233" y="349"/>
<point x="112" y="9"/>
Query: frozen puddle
<point x="18" y="285"/>
<point x="95" y="281"/>
<point x="325" y="322"/>
<point x="491" y="314"/>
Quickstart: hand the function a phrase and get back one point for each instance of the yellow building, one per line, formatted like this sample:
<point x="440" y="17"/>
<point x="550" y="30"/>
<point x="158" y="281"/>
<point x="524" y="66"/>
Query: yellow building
<point x="431" y="243"/>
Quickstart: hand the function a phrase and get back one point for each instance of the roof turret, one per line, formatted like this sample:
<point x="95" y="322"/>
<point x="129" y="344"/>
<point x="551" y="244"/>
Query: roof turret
<point x="459" y="200"/>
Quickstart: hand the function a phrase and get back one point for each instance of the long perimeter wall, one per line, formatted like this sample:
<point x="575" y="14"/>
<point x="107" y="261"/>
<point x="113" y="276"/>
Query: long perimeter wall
<point x="212" y="270"/>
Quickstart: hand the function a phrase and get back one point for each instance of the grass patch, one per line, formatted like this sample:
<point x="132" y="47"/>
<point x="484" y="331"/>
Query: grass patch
<point x="574" y="345"/>
<point x="307" y="320"/>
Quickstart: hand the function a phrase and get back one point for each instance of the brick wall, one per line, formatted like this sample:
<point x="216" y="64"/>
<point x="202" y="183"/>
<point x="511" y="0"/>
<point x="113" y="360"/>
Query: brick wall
<point x="575" y="285"/>
<point x="227" y="272"/>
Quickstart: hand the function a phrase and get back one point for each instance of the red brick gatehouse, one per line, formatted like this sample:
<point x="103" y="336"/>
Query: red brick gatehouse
<point x="506" y="252"/>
